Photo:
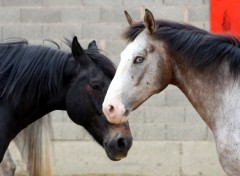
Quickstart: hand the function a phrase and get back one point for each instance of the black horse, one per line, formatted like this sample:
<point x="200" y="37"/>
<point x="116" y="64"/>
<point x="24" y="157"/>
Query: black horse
<point x="35" y="80"/>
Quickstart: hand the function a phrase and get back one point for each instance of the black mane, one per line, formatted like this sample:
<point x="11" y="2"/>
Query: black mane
<point x="200" y="47"/>
<point x="29" y="71"/>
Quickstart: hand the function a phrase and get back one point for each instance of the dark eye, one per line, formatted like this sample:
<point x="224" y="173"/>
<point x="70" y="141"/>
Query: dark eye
<point x="138" y="60"/>
<point x="96" y="87"/>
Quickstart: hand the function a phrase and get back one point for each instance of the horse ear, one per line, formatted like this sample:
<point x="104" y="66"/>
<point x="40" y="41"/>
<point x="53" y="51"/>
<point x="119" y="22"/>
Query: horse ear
<point x="93" y="45"/>
<point x="149" y="21"/>
<point x="129" y="18"/>
<point x="78" y="52"/>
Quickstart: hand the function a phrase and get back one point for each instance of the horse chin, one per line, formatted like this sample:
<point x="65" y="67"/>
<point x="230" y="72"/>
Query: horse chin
<point x="116" y="157"/>
<point x="112" y="156"/>
<point x="136" y="105"/>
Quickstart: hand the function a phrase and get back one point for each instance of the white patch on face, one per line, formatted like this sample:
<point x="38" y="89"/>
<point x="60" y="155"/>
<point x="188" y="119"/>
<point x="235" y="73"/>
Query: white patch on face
<point x="122" y="81"/>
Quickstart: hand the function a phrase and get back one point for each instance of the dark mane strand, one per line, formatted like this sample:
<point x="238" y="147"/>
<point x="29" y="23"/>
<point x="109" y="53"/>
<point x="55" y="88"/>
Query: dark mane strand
<point x="13" y="41"/>
<point x="200" y="47"/>
<point x="51" y="41"/>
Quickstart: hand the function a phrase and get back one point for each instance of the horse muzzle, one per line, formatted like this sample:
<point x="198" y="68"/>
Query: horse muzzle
<point x="117" y="148"/>
<point x="115" y="112"/>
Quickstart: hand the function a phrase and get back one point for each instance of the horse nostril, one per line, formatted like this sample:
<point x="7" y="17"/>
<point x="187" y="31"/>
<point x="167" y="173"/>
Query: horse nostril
<point x="122" y="143"/>
<point x="111" y="108"/>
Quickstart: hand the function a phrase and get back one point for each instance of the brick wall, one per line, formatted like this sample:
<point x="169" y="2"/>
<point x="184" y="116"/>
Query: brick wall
<point x="166" y="120"/>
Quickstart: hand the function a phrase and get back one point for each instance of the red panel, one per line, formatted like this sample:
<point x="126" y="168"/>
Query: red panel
<point x="225" y="16"/>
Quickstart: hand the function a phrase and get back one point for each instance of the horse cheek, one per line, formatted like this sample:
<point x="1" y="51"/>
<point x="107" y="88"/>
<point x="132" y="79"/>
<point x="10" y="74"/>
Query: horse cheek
<point x="164" y="73"/>
<point x="73" y="106"/>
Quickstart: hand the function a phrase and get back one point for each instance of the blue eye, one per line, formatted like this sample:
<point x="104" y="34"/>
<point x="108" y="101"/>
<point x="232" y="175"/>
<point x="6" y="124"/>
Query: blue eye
<point x="138" y="60"/>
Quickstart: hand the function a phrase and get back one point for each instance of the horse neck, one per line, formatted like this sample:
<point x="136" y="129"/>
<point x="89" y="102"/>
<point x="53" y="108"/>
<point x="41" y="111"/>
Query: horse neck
<point x="37" y="111"/>
<point x="213" y="91"/>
